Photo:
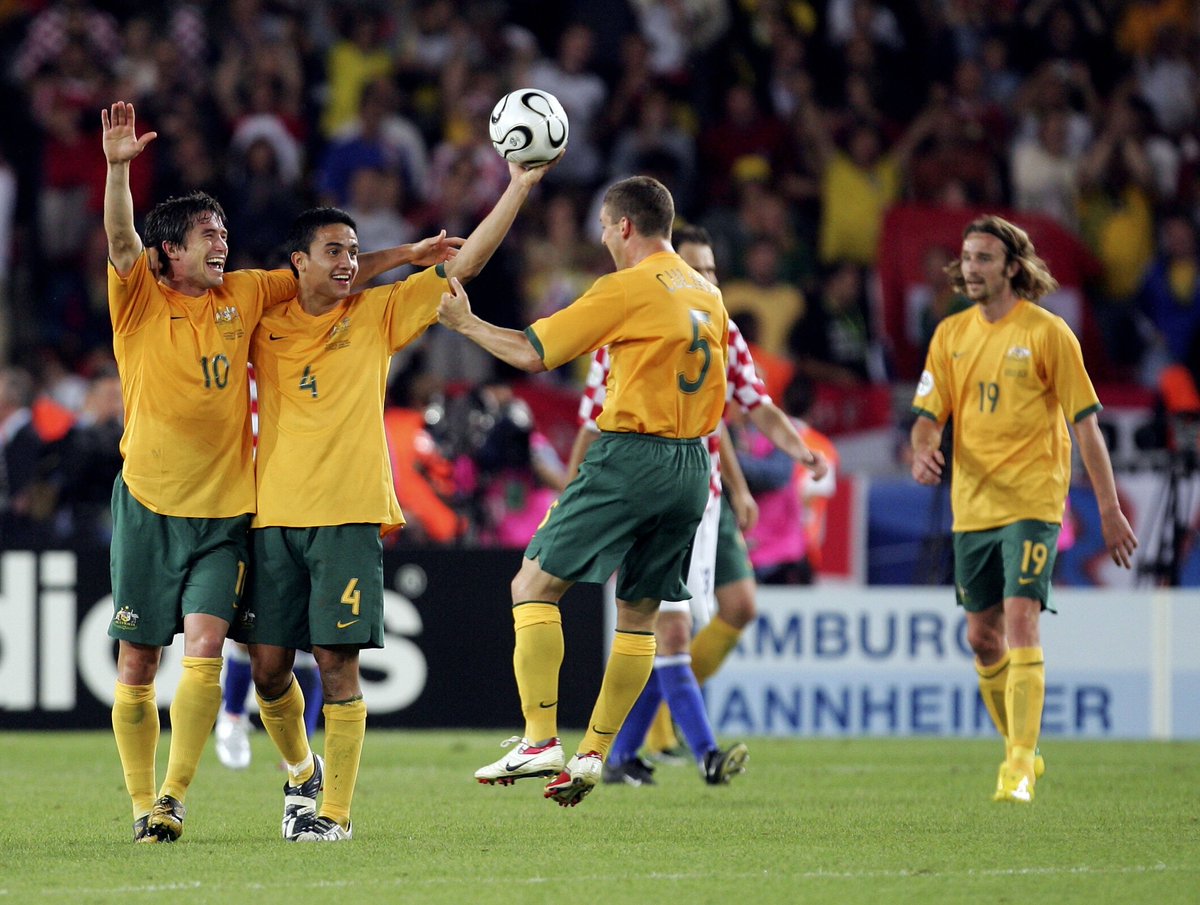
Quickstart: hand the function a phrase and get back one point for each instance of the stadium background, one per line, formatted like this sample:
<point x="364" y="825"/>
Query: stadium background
<point x="834" y="150"/>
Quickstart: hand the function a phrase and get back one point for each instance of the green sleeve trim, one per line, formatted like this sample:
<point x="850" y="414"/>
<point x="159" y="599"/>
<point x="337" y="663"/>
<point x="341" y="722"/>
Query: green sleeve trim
<point x="924" y="413"/>
<point x="1090" y="410"/>
<point x="441" y="270"/>
<point x="536" y="343"/>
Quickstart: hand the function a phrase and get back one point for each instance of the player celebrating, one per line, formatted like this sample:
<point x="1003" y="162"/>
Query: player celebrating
<point x="1008" y="372"/>
<point x="642" y="487"/>
<point x="182" y="502"/>
<point x="325" y="491"/>
<point x="718" y="558"/>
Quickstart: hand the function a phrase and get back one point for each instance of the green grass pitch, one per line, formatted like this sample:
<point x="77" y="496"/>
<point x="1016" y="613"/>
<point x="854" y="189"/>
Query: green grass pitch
<point x="857" y="821"/>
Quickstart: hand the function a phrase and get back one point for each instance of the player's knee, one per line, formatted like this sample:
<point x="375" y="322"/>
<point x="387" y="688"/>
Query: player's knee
<point x="986" y="642"/>
<point x="673" y="633"/>
<point x="735" y="604"/>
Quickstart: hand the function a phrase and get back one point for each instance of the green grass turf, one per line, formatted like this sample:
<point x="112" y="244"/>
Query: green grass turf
<point x="870" y="821"/>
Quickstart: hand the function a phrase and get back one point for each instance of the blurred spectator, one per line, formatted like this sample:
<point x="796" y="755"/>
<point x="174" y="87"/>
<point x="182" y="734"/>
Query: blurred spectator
<point x="262" y="204"/>
<point x="376" y="200"/>
<point x="833" y="341"/>
<point x="772" y="304"/>
<point x="60" y="24"/>
<point x="858" y="183"/>
<point x="570" y="78"/>
<point x="379" y="138"/>
<point x="8" y="211"/>
<point x="23" y="449"/>
<point x="744" y="131"/>
<point x="1168" y="81"/>
<point x="559" y="263"/>
<point x="933" y="299"/>
<point x="1170" y="293"/>
<point x="656" y="132"/>
<point x="1045" y="174"/>
<point x="361" y="57"/>
<point x="87" y="462"/>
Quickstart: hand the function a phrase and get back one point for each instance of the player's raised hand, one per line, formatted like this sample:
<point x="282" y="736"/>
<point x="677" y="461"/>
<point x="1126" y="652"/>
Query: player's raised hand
<point x="531" y="176"/>
<point x="119" y="136"/>
<point x="436" y="249"/>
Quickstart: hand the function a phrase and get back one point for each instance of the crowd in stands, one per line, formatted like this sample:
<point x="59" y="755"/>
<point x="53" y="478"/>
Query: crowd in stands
<point x="791" y="129"/>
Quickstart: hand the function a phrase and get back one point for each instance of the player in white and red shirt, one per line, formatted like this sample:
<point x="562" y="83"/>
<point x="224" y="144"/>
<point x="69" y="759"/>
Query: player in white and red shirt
<point x="719" y="565"/>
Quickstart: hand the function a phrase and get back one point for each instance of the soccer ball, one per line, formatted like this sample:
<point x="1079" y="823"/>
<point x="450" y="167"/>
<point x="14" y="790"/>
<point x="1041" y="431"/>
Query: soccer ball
<point x="528" y="127"/>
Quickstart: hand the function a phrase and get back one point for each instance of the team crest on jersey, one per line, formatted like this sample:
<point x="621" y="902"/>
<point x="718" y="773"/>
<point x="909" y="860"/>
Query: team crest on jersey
<point x="229" y="322"/>
<point x="1016" y="361"/>
<point x="126" y="619"/>
<point x="339" y="336"/>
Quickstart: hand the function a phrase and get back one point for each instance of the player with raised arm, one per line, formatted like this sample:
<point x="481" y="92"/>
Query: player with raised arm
<point x="326" y="495"/>
<point x="667" y="331"/>
<point x="1011" y="375"/>
<point x="718" y="559"/>
<point x="183" y="500"/>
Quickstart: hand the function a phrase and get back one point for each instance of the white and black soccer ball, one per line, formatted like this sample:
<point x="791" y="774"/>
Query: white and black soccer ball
<point x="528" y="126"/>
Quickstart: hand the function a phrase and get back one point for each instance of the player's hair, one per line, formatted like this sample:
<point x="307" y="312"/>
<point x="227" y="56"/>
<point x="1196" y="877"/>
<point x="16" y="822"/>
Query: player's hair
<point x="304" y="229"/>
<point x="645" y="202"/>
<point x="686" y="233"/>
<point x="171" y="220"/>
<point x="1032" y="279"/>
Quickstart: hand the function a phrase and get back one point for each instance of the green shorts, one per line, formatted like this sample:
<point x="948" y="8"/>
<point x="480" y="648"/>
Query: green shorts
<point x="634" y="506"/>
<point x="733" y="559"/>
<point x="311" y="587"/>
<point x="165" y="567"/>
<point x="1014" y="561"/>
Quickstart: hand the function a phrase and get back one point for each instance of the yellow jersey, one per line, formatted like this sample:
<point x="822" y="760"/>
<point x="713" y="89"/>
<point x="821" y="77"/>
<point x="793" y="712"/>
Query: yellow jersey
<point x="667" y="334"/>
<point x="1011" y="387"/>
<point x="188" y="445"/>
<point x="322" y="451"/>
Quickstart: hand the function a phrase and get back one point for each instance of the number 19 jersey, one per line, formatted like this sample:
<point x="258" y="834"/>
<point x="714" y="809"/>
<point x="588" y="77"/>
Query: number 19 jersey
<point x="1010" y="386"/>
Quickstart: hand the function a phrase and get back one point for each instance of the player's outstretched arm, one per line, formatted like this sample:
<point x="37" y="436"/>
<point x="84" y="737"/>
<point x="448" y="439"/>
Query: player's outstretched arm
<point x="510" y="346"/>
<point x="121" y="145"/>
<point x="487" y="236"/>
<point x="433" y="250"/>
<point x="1119" y="538"/>
<point x="777" y="427"/>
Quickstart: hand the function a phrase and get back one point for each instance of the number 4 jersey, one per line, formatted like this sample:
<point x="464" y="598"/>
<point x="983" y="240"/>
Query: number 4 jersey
<point x="187" y="443"/>
<point x="322" y="379"/>
<point x="667" y="333"/>
<point x="1010" y="387"/>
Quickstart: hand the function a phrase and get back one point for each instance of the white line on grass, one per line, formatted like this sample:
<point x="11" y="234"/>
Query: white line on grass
<point x="852" y="875"/>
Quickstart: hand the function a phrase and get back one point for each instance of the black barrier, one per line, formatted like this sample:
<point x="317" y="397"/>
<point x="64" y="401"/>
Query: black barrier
<point x="446" y="662"/>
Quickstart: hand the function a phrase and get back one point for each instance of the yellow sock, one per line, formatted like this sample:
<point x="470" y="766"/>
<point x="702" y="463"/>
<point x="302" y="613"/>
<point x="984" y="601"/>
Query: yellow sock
<point x="537" y="658"/>
<point x="193" y="713"/>
<point x="1024" y="697"/>
<point x="345" y="728"/>
<point x="135" y="725"/>
<point x="993" y="685"/>
<point x="711" y="646"/>
<point x="283" y="718"/>
<point x="629" y="666"/>
<point x="661" y="734"/>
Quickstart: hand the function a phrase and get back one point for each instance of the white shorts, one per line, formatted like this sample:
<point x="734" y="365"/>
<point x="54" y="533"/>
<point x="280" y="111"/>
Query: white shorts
<point x="702" y="570"/>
